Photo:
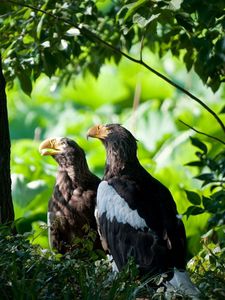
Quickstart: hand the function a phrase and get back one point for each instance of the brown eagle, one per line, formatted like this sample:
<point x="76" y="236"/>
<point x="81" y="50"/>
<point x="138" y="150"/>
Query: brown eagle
<point x="136" y="214"/>
<point x="71" y="207"/>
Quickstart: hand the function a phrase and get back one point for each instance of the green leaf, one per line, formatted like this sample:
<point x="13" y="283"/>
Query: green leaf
<point x="222" y="110"/>
<point x="197" y="143"/>
<point x="188" y="60"/>
<point x="212" y="259"/>
<point x="133" y="7"/>
<point x="193" y="197"/>
<point x="213" y="187"/>
<point x="5" y="7"/>
<point x="50" y="62"/>
<point x="39" y="26"/>
<point x="185" y="21"/>
<point x="219" y="196"/>
<point x="193" y="211"/>
<point x="142" y="21"/>
<point x="25" y="82"/>
<point x="207" y="202"/>
<point x="201" y="70"/>
<point x="215" y="84"/>
<point x="209" y="177"/>
<point x="195" y="164"/>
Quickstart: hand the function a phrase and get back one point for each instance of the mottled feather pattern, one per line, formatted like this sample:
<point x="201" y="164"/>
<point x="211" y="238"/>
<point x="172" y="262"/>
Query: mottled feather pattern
<point x="75" y="207"/>
<point x="71" y="207"/>
<point x="64" y="184"/>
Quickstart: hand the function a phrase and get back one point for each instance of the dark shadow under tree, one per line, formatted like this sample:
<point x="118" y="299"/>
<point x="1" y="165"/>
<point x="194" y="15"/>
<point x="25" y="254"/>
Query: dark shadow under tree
<point x="6" y="205"/>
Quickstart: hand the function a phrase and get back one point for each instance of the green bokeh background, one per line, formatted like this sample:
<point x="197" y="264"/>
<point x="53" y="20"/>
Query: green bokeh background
<point x="125" y="94"/>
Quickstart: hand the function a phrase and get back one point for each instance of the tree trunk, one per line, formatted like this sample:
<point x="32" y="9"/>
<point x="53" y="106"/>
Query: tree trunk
<point x="6" y="205"/>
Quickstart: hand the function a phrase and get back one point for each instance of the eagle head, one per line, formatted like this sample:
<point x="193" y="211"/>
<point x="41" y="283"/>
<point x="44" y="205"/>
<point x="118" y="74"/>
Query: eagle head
<point x="117" y="140"/>
<point x="63" y="150"/>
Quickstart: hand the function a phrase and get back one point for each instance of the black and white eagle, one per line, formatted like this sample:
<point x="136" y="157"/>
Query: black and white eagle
<point x="72" y="204"/>
<point x="136" y="214"/>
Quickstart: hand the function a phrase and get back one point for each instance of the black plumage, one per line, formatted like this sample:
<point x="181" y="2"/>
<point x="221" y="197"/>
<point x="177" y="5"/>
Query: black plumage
<point x="72" y="204"/>
<point x="137" y="215"/>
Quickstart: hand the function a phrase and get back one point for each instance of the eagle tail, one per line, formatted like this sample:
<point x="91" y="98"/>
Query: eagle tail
<point x="182" y="282"/>
<point x="50" y="221"/>
<point x="113" y="264"/>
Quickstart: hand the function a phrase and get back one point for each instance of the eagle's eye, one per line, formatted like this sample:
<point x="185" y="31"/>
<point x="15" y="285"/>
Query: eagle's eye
<point x="52" y="143"/>
<point x="63" y="144"/>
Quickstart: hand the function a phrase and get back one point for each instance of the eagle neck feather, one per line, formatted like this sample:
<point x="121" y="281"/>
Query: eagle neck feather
<point x="77" y="171"/>
<point x="120" y="160"/>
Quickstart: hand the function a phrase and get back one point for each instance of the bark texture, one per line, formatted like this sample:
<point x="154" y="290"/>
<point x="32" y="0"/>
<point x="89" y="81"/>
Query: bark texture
<point x="6" y="205"/>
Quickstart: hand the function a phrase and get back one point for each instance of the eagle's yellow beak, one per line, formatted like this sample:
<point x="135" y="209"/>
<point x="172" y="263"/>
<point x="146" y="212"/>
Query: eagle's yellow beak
<point x="51" y="146"/>
<point x="98" y="131"/>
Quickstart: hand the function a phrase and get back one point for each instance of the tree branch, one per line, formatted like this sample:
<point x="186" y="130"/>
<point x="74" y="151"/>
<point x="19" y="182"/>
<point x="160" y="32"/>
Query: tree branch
<point x="92" y="36"/>
<point x="203" y="133"/>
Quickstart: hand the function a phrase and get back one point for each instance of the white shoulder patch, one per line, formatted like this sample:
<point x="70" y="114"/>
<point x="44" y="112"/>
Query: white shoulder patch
<point x="116" y="207"/>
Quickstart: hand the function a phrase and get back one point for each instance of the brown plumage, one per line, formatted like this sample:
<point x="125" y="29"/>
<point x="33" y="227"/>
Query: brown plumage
<point x="71" y="207"/>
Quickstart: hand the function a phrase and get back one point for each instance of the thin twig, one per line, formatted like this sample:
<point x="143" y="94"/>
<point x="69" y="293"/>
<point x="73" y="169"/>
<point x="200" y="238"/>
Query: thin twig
<point x="88" y="33"/>
<point x="142" y="46"/>
<point x="187" y="93"/>
<point x="136" y="102"/>
<point x="203" y="133"/>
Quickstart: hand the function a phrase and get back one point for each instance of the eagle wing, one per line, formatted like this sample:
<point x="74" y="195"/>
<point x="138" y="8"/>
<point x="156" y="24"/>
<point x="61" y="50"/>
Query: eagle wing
<point x="59" y="233"/>
<point x="61" y="222"/>
<point x="70" y="216"/>
<point x="133" y="226"/>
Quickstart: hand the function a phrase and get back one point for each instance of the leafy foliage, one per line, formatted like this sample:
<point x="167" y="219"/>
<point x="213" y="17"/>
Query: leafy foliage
<point x="70" y="37"/>
<point x="212" y="174"/>
<point x="62" y="38"/>
<point x="189" y="29"/>
<point x="52" y="42"/>
<point x="30" y="272"/>
<point x="208" y="270"/>
<point x="33" y="273"/>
